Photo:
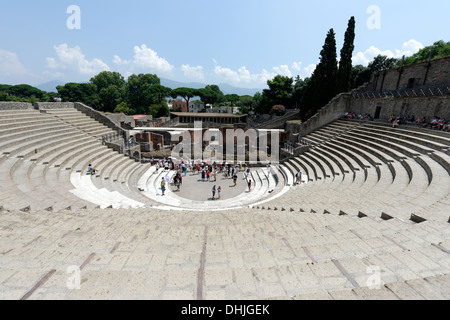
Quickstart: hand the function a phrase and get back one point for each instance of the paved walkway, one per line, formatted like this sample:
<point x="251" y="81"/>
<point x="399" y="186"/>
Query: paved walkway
<point x="194" y="188"/>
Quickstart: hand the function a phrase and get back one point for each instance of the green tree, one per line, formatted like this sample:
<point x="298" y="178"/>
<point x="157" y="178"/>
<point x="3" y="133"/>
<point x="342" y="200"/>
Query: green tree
<point x="320" y="88"/>
<point x="159" y="110"/>
<point x="437" y="50"/>
<point x="139" y="92"/>
<point x="280" y="90"/>
<point x="246" y="101"/>
<point x="359" y="76"/>
<point x="298" y="90"/>
<point x="232" y="98"/>
<point x="345" y="63"/>
<point x="208" y="95"/>
<point x="216" y="89"/>
<point x="25" y="91"/>
<point x="186" y="93"/>
<point x="124" y="108"/>
<point x="261" y="103"/>
<point x="381" y="63"/>
<point x="161" y="92"/>
<point x="107" y="78"/>
<point x="110" y="88"/>
<point x="79" y="92"/>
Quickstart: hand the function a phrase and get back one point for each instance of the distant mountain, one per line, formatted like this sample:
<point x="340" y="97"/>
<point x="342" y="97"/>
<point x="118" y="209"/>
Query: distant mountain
<point x="229" y="89"/>
<point x="50" y="86"/>
<point x="225" y="88"/>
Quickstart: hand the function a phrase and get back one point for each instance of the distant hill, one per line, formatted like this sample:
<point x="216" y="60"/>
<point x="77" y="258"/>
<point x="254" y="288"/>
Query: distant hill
<point x="225" y="88"/>
<point x="50" y="86"/>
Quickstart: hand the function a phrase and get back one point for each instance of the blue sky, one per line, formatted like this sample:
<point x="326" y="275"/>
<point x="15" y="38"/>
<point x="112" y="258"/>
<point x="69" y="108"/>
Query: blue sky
<point x="243" y="43"/>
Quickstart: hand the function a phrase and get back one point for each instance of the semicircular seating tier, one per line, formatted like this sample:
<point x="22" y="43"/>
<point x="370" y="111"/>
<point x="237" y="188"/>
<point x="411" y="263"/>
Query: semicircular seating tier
<point x="368" y="221"/>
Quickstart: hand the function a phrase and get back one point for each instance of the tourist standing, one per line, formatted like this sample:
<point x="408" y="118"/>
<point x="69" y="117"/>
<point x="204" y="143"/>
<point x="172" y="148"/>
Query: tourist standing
<point x="163" y="186"/>
<point x="213" y="192"/>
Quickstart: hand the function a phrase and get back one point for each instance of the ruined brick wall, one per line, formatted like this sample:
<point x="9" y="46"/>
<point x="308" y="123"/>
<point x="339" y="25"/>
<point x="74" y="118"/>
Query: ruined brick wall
<point x="435" y="74"/>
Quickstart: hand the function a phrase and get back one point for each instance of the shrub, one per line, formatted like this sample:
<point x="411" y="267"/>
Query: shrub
<point x="278" y="110"/>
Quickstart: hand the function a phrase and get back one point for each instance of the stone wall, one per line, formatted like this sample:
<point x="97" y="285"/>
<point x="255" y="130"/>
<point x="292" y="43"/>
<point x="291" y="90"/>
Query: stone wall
<point x="278" y="122"/>
<point x="9" y="105"/>
<point x="437" y="73"/>
<point x="419" y="107"/>
<point x="332" y="111"/>
<point x="118" y="118"/>
<point x="98" y="116"/>
<point x="53" y="105"/>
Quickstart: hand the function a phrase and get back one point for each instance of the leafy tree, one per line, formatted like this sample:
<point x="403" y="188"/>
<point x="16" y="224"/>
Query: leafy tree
<point x="261" y="103"/>
<point x="107" y="78"/>
<point x="79" y="92"/>
<point x="299" y="90"/>
<point x="216" y="89"/>
<point x="359" y="76"/>
<point x="25" y="91"/>
<point x="278" y="110"/>
<point x="139" y="92"/>
<point x="110" y="88"/>
<point x="159" y="110"/>
<point x="208" y="95"/>
<point x="161" y="92"/>
<point x="124" y="108"/>
<point x="243" y="109"/>
<point x="320" y="88"/>
<point x="440" y="49"/>
<point x="246" y="101"/>
<point x="280" y="90"/>
<point x="381" y="63"/>
<point x="345" y="64"/>
<point x="232" y="98"/>
<point x="186" y="93"/>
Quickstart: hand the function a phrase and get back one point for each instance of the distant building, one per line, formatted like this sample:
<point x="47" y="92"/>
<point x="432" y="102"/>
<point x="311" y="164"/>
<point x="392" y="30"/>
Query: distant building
<point x="227" y="109"/>
<point x="220" y="119"/>
<point x="196" y="107"/>
<point x="179" y="105"/>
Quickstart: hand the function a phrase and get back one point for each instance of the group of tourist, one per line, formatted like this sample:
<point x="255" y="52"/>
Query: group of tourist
<point x="208" y="172"/>
<point x="352" y="115"/>
<point x="398" y="120"/>
<point x="436" y="123"/>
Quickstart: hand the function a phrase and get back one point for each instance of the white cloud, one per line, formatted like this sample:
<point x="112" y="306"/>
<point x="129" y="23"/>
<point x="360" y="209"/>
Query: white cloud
<point x="243" y="77"/>
<point x="408" y="48"/>
<point x="283" y="70"/>
<point x="10" y="64"/>
<point x="74" y="59"/>
<point x="193" y="73"/>
<point x="146" y="59"/>
<point x="309" y="70"/>
<point x="297" y="66"/>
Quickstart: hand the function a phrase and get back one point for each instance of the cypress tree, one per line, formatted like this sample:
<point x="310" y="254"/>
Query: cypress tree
<point x="320" y="89"/>
<point x="345" y="63"/>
